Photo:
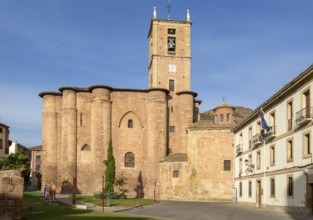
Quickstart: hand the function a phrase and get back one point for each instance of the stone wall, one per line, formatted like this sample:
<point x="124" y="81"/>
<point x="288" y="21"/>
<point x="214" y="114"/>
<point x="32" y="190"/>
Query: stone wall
<point x="201" y="176"/>
<point x="11" y="195"/>
<point x="77" y="127"/>
<point x="208" y="149"/>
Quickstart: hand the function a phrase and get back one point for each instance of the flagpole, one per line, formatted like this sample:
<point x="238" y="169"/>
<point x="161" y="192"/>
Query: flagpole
<point x="264" y="126"/>
<point x="263" y="143"/>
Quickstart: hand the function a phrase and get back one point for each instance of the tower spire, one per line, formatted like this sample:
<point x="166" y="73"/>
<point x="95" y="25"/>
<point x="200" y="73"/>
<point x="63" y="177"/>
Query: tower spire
<point x="169" y="10"/>
<point x="188" y="15"/>
<point x="154" y="13"/>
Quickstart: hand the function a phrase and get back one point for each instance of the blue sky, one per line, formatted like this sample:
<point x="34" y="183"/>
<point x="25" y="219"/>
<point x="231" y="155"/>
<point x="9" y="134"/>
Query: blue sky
<point x="241" y="49"/>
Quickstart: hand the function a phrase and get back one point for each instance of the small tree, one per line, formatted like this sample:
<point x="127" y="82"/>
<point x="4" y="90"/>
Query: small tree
<point x="120" y="182"/>
<point x="110" y="170"/>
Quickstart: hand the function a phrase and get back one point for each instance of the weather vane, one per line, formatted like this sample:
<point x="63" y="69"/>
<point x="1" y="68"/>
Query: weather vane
<point x="169" y="10"/>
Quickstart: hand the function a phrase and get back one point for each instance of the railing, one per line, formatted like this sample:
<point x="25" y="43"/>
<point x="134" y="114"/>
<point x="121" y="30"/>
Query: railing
<point x="304" y="115"/>
<point x="256" y="140"/>
<point x="239" y="148"/>
<point x="269" y="134"/>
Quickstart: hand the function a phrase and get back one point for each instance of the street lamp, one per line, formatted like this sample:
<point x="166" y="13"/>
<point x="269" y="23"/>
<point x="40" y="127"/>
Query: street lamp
<point x="250" y="166"/>
<point x="139" y="184"/>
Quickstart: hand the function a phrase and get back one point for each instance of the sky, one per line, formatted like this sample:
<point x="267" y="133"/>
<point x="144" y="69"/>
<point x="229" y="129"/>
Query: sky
<point x="241" y="50"/>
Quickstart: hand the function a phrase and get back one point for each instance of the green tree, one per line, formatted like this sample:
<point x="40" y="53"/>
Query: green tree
<point x="18" y="161"/>
<point x="110" y="170"/>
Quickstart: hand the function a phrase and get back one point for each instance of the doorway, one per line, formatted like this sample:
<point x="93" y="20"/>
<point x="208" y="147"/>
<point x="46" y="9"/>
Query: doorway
<point x="309" y="198"/>
<point x="311" y="185"/>
<point x="258" y="194"/>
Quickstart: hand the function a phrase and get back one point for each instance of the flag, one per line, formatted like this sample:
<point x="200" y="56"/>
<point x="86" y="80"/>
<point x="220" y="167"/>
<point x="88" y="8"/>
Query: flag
<point x="263" y="121"/>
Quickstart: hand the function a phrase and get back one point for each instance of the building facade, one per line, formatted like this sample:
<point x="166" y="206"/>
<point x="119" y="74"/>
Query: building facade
<point x="274" y="166"/>
<point x="35" y="166"/>
<point x="159" y="143"/>
<point x="205" y="172"/>
<point x="4" y="139"/>
<point x="17" y="147"/>
<point x="78" y="123"/>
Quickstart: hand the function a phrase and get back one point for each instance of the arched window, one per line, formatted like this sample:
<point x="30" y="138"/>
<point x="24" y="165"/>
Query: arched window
<point x="130" y="123"/>
<point x="129" y="159"/>
<point x="86" y="147"/>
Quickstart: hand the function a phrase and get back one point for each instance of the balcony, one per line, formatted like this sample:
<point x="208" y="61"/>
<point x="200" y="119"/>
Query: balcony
<point x="268" y="134"/>
<point x="239" y="148"/>
<point x="256" y="140"/>
<point x="304" y="116"/>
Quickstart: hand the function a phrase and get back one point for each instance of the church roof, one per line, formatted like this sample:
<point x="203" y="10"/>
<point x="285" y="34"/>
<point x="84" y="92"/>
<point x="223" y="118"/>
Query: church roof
<point x="39" y="147"/>
<point x="207" y="117"/>
<point x="89" y="89"/>
<point x="224" y="105"/>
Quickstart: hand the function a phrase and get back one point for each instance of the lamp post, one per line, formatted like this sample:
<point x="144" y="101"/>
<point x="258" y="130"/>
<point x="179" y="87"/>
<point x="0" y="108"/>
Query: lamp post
<point x="250" y="166"/>
<point x="102" y="193"/>
<point x="74" y="190"/>
<point x="139" y="184"/>
<point x="246" y="162"/>
<point x="154" y="191"/>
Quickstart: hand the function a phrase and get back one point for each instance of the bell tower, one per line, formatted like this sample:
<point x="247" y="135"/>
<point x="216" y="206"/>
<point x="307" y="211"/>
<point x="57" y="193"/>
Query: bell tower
<point x="169" y="54"/>
<point x="169" y="68"/>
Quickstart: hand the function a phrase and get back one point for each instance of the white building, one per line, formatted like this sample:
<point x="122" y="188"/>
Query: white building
<point x="274" y="168"/>
<point x="16" y="147"/>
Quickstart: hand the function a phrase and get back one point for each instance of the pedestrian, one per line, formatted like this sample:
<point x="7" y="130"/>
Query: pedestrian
<point x="52" y="191"/>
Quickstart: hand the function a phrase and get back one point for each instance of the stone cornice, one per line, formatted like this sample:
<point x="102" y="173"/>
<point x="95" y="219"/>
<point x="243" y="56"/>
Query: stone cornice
<point x="194" y="94"/>
<point x="111" y="89"/>
<point x="42" y="94"/>
<point x="159" y="89"/>
<point x="90" y="88"/>
<point x="76" y="89"/>
<point x="198" y="101"/>
<point x="4" y="125"/>
<point x="275" y="172"/>
<point x="167" y="21"/>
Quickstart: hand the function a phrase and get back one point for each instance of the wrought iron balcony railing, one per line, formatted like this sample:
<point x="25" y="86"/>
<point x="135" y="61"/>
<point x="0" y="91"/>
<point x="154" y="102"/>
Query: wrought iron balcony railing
<point x="269" y="134"/>
<point x="304" y="115"/>
<point x="256" y="140"/>
<point x="239" y="148"/>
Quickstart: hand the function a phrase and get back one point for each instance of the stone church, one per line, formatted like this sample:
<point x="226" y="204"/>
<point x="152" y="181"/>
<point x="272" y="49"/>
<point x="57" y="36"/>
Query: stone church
<point x="161" y="144"/>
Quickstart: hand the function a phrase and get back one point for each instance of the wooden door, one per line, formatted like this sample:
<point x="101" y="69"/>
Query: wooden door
<point x="258" y="194"/>
<point x="311" y="199"/>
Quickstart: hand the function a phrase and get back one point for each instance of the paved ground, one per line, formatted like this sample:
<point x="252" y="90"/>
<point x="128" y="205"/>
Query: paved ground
<point x="208" y="211"/>
<point x="172" y="210"/>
